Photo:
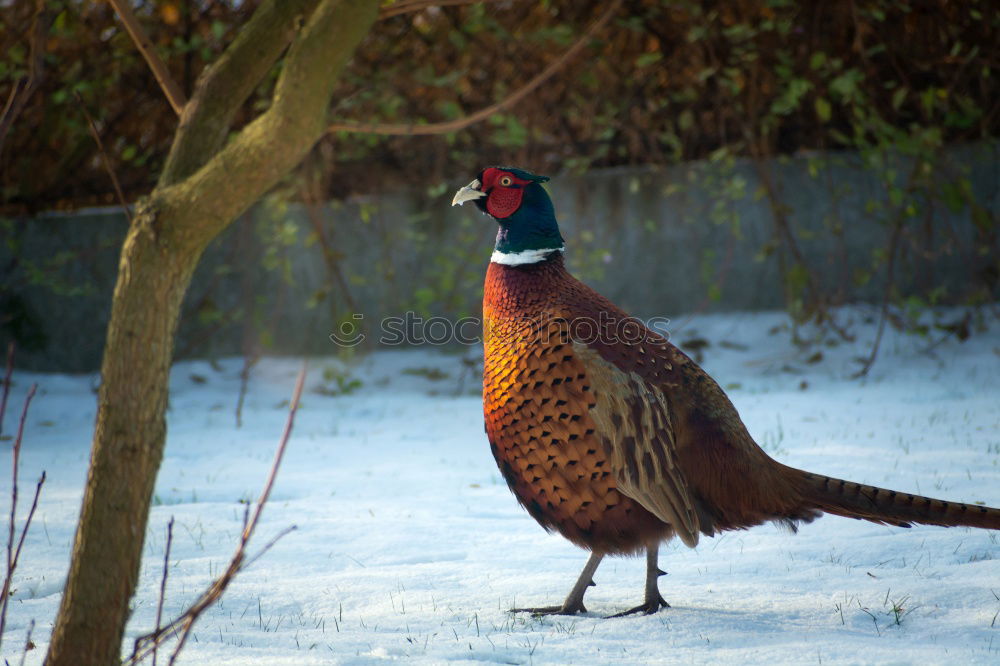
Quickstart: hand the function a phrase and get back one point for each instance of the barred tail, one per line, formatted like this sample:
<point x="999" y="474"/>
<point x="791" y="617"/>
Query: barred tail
<point x="854" y="500"/>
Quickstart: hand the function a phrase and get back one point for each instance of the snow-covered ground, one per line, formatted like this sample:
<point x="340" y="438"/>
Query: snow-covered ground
<point x="410" y="548"/>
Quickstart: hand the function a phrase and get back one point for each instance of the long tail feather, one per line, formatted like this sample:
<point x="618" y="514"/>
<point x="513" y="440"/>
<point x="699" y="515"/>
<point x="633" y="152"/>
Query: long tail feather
<point x="879" y="505"/>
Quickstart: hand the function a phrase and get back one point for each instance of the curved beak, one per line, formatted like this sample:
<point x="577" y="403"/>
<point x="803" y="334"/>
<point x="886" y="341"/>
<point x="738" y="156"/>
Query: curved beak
<point x="468" y="193"/>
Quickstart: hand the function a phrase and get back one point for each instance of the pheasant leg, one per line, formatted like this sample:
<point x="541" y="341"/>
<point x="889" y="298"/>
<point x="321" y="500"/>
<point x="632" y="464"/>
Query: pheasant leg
<point x="574" y="602"/>
<point x="653" y="601"/>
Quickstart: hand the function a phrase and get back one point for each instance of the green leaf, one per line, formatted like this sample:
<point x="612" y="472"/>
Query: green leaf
<point x="791" y="96"/>
<point x="685" y="120"/>
<point x="898" y="97"/>
<point x="647" y="59"/>
<point x="823" y="110"/>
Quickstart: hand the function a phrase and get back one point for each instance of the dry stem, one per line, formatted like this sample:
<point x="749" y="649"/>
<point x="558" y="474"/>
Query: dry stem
<point x="146" y="645"/>
<point x="145" y="46"/>
<point x="104" y="159"/>
<point x="14" y="553"/>
<point x="163" y="581"/>
<point x="6" y="383"/>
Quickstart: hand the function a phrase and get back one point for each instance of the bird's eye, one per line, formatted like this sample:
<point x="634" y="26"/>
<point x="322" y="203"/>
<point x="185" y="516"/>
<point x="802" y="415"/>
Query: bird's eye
<point x="506" y="181"/>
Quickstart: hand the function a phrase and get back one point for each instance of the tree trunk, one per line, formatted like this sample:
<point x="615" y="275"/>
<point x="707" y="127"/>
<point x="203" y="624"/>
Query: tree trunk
<point x="192" y="204"/>
<point x="128" y="448"/>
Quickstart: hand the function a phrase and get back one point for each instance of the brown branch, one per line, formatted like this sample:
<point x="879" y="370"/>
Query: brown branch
<point x="410" y="6"/>
<point x="163" y="581"/>
<point x="104" y="158"/>
<point x="14" y="553"/>
<point x="897" y="230"/>
<point x="142" y="42"/>
<point x="263" y="151"/>
<point x="146" y="645"/>
<point x="28" y="645"/>
<point x="22" y="89"/>
<point x="227" y="83"/>
<point x="330" y="257"/>
<point x="250" y="358"/>
<point x="6" y="383"/>
<point x="413" y="129"/>
<point x="884" y="311"/>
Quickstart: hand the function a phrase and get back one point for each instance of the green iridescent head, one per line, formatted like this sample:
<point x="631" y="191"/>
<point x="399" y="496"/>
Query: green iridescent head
<point x="515" y="198"/>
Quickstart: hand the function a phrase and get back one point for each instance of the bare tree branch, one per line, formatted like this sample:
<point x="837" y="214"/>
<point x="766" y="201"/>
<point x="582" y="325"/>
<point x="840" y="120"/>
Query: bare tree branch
<point x="163" y="582"/>
<point x="14" y="553"/>
<point x="413" y="129"/>
<point x="6" y="383"/>
<point x="146" y="645"/>
<point x="278" y="139"/>
<point x="28" y="645"/>
<point x="898" y="222"/>
<point x="104" y="159"/>
<point x="224" y="86"/>
<point x="170" y="88"/>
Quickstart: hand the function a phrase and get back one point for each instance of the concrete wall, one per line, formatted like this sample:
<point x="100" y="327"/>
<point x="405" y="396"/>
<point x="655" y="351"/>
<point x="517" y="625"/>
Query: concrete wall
<point x="656" y="241"/>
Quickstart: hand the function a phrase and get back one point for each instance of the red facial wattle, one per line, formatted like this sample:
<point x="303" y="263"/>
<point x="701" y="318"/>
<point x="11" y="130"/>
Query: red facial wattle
<point x="504" y="192"/>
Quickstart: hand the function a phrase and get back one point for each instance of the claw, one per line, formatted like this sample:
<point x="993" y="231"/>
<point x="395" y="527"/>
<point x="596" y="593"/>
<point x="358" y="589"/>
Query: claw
<point x="648" y="607"/>
<point x="551" y="610"/>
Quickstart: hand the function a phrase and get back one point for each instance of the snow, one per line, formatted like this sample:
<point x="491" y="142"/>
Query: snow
<point x="409" y="547"/>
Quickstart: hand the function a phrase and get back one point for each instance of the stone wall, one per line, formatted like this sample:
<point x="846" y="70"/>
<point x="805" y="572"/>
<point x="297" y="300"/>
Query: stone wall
<point x="659" y="242"/>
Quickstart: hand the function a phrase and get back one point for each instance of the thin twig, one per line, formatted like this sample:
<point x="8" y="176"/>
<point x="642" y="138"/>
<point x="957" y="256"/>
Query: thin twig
<point x="104" y="158"/>
<point x="249" y="360"/>
<point x="410" y="6"/>
<point x="897" y="230"/>
<point x="145" y="46"/>
<point x="31" y="514"/>
<point x="883" y="314"/>
<point x="144" y="645"/>
<point x="163" y="582"/>
<point x="269" y="545"/>
<point x="330" y="257"/>
<point x="413" y="129"/>
<point x="28" y="645"/>
<point x="12" y="553"/>
<point x="6" y="383"/>
<point x="250" y="343"/>
<point x="278" y="455"/>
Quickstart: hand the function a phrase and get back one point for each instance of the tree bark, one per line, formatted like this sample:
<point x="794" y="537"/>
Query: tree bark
<point x="205" y="192"/>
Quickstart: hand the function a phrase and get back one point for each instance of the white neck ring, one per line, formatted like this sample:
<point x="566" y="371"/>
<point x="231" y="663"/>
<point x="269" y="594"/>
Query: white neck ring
<point x="524" y="256"/>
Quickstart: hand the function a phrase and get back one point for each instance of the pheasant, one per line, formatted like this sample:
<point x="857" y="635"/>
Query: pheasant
<point x="610" y="435"/>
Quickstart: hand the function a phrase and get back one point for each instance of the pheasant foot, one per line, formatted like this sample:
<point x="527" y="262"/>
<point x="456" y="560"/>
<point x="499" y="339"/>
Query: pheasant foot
<point x="654" y="601"/>
<point x="574" y="602"/>
<point x="552" y="610"/>
<point x="647" y="607"/>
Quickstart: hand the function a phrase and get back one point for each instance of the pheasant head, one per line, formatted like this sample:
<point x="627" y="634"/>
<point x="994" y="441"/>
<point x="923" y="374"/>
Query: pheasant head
<point x="516" y="199"/>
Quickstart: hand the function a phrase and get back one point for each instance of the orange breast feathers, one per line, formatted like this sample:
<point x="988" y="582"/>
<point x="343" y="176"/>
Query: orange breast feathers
<point x="536" y="402"/>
